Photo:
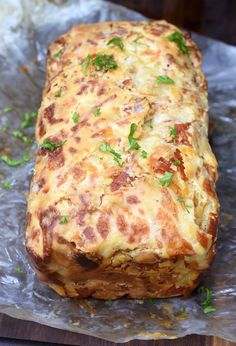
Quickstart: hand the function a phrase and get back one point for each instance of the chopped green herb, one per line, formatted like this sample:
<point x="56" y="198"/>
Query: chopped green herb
<point x="166" y="179"/>
<point x="188" y="207"/>
<point x="164" y="80"/>
<point x="5" y="128"/>
<point x="26" y="156"/>
<point x="75" y="117"/>
<point x="119" y="163"/>
<point x="207" y="308"/>
<point x="180" y="199"/>
<point x="47" y="144"/>
<point x="19" y="134"/>
<point x="27" y="140"/>
<point x="104" y="147"/>
<point x="7" y="185"/>
<point x="181" y="309"/>
<point x="144" y="154"/>
<point x="58" y="93"/>
<point x="10" y="162"/>
<point x="133" y="143"/>
<point x="8" y="109"/>
<point x="104" y="62"/>
<point x="116" y="41"/>
<point x="176" y="162"/>
<point x="97" y="112"/>
<point x="64" y="219"/>
<point x="56" y="54"/>
<point x="85" y="63"/>
<point x="177" y="37"/>
<point x="110" y="301"/>
<point x="151" y="301"/>
<point x="29" y="119"/>
<point x="19" y="270"/>
<point x="107" y="148"/>
<point x="172" y="131"/>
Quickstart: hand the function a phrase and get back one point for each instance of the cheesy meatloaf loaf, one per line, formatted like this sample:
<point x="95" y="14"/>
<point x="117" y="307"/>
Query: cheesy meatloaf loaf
<point x="122" y="201"/>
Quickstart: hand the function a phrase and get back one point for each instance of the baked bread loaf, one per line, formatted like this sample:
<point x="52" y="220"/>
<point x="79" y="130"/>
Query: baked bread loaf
<point x="122" y="201"/>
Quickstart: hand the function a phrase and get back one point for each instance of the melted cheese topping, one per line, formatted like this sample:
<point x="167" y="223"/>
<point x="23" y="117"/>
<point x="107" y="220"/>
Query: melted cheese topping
<point x="124" y="208"/>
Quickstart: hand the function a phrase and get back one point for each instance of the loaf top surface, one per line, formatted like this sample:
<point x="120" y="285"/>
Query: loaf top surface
<point x="133" y="170"/>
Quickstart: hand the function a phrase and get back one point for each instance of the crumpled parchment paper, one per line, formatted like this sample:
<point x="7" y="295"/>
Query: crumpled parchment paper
<point x="26" y="29"/>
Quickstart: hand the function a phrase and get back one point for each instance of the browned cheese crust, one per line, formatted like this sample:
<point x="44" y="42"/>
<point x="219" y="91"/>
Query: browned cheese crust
<point x="114" y="212"/>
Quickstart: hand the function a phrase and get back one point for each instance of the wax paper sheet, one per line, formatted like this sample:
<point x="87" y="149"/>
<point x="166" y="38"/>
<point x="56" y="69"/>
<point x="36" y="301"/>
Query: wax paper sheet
<point x="26" y="29"/>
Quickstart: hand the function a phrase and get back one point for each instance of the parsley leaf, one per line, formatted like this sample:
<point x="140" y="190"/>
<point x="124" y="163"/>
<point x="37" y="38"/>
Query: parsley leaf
<point x="26" y="156"/>
<point x="144" y="154"/>
<point x="116" y="41"/>
<point x="188" y="207"/>
<point x="166" y="179"/>
<point x="7" y="185"/>
<point x="176" y="162"/>
<point x="19" y="134"/>
<point x="75" y="117"/>
<point x="97" y="112"/>
<point x="47" y="144"/>
<point x="180" y="199"/>
<point x="107" y="148"/>
<point x="19" y="270"/>
<point x="133" y="143"/>
<point x="164" y="80"/>
<point x="177" y="37"/>
<point x="104" y="62"/>
<point x="207" y="308"/>
<point x="5" y="128"/>
<point x="151" y="300"/>
<point x="10" y="162"/>
<point x="29" y="119"/>
<point x="8" y="109"/>
<point x="172" y="132"/>
<point x="104" y="147"/>
<point x="85" y="63"/>
<point x="64" y="219"/>
<point x="57" y="53"/>
<point x="181" y="309"/>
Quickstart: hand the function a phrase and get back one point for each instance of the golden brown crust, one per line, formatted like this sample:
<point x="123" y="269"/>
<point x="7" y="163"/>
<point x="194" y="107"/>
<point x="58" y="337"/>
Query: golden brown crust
<point x="125" y="234"/>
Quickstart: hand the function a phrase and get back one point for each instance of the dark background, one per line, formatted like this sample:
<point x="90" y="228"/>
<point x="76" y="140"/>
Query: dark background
<point x="213" y="18"/>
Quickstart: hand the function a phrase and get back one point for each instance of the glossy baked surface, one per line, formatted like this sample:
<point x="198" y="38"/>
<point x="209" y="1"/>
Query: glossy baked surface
<point x="111" y="214"/>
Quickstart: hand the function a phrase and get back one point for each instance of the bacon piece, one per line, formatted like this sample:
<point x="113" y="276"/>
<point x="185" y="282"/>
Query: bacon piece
<point x="48" y="113"/>
<point x="120" y="179"/>
<point x="182" y="134"/>
<point x="180" y="168"/>
<point x="122" y="225"/>
<point x="103" y="226"/>
<point x="89" y="234"/>
<point x="56" y="158"/>
<point x="160" y="165"/>
<point x="132" y="199"/>
<point x="140" y="231"/>
<point x="41" y="126"/>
